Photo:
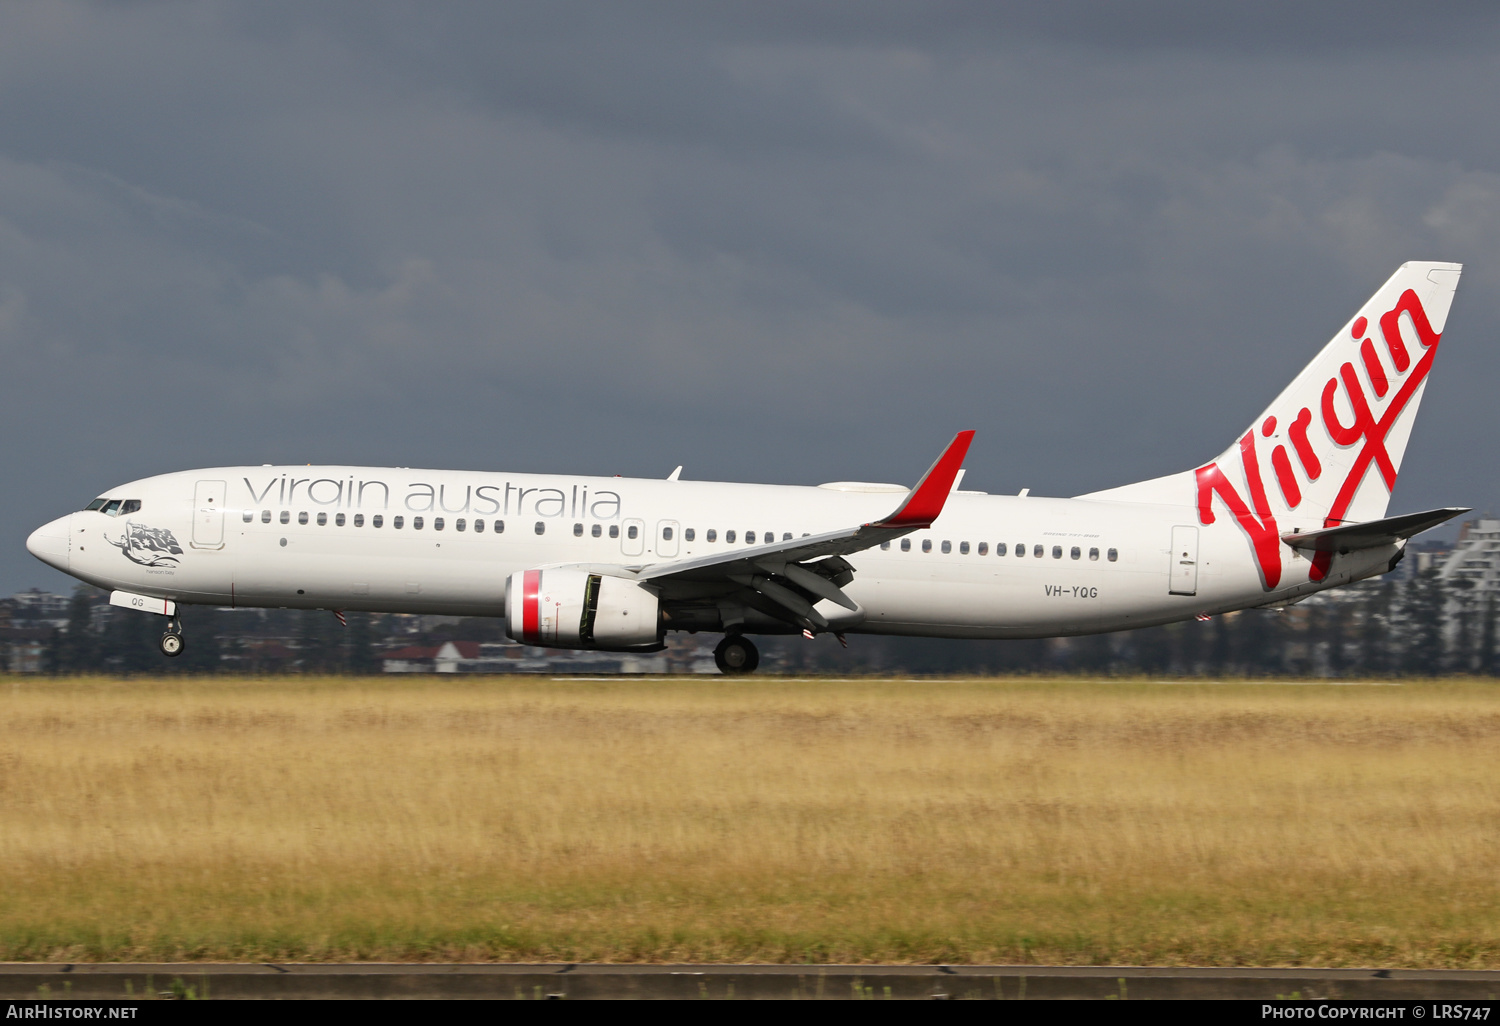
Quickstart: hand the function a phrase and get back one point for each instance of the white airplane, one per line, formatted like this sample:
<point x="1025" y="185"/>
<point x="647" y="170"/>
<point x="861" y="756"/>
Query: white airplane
<point x="1296" y="504"/>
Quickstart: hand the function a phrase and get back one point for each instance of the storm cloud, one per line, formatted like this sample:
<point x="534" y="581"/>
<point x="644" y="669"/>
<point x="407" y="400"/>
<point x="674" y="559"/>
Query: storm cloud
<point x="774" y="242"/>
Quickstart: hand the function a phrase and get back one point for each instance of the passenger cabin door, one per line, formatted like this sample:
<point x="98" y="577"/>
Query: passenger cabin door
<point x="208" y="515"/>
<point x="1184" y="563"/>
<point x="633" y="540"/>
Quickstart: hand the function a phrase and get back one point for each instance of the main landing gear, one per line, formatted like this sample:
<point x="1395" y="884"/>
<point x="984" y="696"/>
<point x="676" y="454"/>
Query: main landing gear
<point x="736" y="655"/>
<point x="171" y="643"/>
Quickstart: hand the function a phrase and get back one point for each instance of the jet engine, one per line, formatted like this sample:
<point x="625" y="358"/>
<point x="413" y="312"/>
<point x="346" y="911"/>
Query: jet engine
<point x="577" y="609"/>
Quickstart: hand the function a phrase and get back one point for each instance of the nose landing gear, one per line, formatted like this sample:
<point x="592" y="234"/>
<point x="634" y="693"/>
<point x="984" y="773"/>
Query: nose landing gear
<point x="171" y="643"/>
<point x="736" y="655"/>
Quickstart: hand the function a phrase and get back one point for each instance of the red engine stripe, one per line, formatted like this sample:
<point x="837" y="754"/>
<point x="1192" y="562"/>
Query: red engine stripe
<point x="531" y="588"/>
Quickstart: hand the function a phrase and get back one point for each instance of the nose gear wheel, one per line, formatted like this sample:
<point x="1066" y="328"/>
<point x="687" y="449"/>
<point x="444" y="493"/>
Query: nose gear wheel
<point x="171" y="643"/>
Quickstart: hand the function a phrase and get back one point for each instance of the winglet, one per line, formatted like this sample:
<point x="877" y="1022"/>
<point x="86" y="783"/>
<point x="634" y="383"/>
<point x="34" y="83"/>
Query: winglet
<point x="925" y="502"/>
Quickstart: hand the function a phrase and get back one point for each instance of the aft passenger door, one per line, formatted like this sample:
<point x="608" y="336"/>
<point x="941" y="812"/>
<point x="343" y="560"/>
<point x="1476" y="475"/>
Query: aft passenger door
<point x="208" y="515"/>
<point x="1183" y="574"/>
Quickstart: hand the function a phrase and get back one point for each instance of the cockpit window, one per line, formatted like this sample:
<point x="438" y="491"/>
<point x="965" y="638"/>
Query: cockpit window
<point x="96" y="504"/>
<point x="130" y="506"/>
<point x="111" y="508"/>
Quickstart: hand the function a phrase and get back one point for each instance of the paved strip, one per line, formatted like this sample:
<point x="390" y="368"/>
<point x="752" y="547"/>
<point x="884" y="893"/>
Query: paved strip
<point x="562" y="981"/>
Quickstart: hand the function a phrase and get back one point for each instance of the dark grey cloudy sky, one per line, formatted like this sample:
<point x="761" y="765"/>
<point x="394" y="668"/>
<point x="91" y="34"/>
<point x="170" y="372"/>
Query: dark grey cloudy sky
<point x="771" y="241"/>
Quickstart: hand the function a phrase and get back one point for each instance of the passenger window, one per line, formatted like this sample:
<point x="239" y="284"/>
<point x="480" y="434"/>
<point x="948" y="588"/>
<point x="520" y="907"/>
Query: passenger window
<point x="377" y="521"/>
<point x="249" y="515"/>
<point x="541" y="527"/>
<point x="130" y="506"/>
<point x="947" y="547"/>
<point x="787" y="536"/>
<point x="688" y="534"/>
<point x="666" y="534"/>
<point x="1076" y="552"/>
<point x="322" y="519"/>
<point x="1113" y="555"/>
<point x="302" y="517"/>
<point x="460" y="524"/>
<point x="729" y="537"/>
<point x="926" y="544"/>
<point x="398" y="522"/>
<point x="286" y="516"/>
<point x="416" y="523"/>
<point x="265" y="516"/>
<point x="963" y="548"/>
<point x="499" y="526"/>
<point x="596" y="530"/>
<point x="1057" y="552"/>
<point x="577" y="530"/>
<point x="905" y="544"/>
<point x="478" y="526"/>
<point x="1094" y="553"/>
<point x="437" y="523"/>
<point x="359" y="520"/>
<point x="614" y="530"/>
<point x="632" y="532"/>
<point x="984" y="548"/>
<point x="96" y="504"/>
<point x="885" y="546"/>
<point x="749" y="537"/>
<point x="1039" y="551"/>
<point x="713" y="535"/>
<point x="1000" y="548"/>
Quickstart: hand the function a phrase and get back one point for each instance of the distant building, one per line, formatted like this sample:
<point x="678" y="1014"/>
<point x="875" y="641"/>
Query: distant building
<point x="1476" y="556"/>
<point x="40" y="608"/>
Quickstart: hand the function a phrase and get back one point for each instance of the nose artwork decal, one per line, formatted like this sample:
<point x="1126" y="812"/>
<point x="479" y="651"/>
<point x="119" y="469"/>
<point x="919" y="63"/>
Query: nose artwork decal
<point x="148" y="546"/>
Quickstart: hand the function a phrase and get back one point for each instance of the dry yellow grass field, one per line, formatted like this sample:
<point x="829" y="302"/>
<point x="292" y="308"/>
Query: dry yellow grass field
<point x="766" y="820"/>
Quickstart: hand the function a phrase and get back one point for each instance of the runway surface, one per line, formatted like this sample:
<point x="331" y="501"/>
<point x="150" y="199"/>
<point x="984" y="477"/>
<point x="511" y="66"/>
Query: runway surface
<point x="30" y="981"/>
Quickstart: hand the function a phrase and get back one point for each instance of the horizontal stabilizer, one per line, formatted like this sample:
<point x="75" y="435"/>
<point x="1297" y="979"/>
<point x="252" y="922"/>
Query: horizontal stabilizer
<point x="1373" y="534"/>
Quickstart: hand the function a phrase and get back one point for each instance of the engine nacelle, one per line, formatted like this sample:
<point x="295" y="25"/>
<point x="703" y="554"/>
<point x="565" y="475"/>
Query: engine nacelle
<point x="577" y="609"/>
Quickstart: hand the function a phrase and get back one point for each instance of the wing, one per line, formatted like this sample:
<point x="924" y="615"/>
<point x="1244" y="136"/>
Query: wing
<point x="785" y="579"/>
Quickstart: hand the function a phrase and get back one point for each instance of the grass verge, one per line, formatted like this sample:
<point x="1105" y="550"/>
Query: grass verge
<point x="1054" y="821"/>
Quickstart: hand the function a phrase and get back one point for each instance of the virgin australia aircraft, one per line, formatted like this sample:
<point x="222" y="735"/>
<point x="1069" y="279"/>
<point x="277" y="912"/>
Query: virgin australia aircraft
<point x="1296" y="504"/>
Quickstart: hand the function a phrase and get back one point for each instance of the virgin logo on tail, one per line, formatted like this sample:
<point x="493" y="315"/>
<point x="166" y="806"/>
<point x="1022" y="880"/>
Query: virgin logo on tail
<point x="1368" y="429"/>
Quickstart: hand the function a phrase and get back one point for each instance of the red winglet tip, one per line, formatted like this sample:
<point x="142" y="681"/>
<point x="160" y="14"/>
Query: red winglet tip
<point x="925" y="502"/>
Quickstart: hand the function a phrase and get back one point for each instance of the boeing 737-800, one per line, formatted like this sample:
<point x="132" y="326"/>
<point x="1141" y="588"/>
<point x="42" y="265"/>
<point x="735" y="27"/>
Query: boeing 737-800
<point x="1295" y="504"/>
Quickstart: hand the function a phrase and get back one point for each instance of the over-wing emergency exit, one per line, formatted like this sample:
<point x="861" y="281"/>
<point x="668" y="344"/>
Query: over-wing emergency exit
<point x="1295" y="504"/>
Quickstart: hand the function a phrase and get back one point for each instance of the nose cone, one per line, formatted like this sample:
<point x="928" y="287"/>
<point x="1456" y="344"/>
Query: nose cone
<point x="49" y="543"/>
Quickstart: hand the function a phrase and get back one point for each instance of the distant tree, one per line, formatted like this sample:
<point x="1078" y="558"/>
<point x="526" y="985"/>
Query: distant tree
<point x="1092" y="653"/>
<point x="1331" y="627"/>
<point x="1152" y="649"/>
<point x="1459" y="601"/>
<point x="1258" y="642"/>
<point x="1193" y="638"/>
<point x="321" y="650"/>
<point x="54" y="654"/>
<point x="200" y="653"/>
<point x="1374" y="654"/>
<point x="1217" y="650"/>
<point x="128" y="645"/>
<point x="1423" y="609"/>
<point x="78" y="651"/>
<point x="1486" y="655"/>
<point x="363" y="658"/>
